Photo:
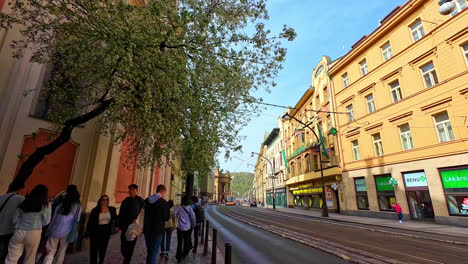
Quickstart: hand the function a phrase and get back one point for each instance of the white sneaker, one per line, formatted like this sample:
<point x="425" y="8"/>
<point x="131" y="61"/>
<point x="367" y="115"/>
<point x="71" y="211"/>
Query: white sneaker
<point x="401" y="222"/>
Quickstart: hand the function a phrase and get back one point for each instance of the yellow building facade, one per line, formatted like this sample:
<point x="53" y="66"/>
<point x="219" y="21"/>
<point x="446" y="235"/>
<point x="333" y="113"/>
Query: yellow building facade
<point x="304" y="185"/>
<point x="401" y="94"/>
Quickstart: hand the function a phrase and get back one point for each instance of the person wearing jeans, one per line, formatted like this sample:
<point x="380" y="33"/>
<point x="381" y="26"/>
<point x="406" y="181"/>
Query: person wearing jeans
<point x="186" y="221"/>
<point x="169" y="227"/>
<point x="156" y="213"/>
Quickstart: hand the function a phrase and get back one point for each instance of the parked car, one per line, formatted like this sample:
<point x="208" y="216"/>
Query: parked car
<point x="253" y="204"/>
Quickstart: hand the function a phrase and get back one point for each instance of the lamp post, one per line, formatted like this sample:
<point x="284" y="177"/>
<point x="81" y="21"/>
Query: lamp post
<point x="324" y="206"/>
<point x="272" y="175"/>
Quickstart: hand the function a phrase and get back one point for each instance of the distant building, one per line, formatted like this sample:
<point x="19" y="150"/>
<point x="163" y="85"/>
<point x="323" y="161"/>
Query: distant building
<point x="222" y="185"/>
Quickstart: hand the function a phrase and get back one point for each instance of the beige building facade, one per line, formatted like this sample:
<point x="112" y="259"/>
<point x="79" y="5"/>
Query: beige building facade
<point x="89" y="160"/>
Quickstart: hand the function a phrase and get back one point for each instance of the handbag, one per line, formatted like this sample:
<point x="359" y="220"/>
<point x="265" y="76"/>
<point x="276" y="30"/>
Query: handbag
<point x="73" y="235"/>
<point x="135" y="229"/>
<point x="6" y="201"/>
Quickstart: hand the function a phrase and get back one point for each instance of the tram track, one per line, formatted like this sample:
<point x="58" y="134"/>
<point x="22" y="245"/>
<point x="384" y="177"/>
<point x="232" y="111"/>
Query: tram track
<point x="350" y="242"/>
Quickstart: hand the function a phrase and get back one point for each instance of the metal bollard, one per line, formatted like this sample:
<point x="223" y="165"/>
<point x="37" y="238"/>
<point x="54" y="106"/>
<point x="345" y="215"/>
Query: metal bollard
<point x="205" y="246"/>
<point x="227" y="253"/>
<point x="213" y="246"/>
<point x="202" y="233"/>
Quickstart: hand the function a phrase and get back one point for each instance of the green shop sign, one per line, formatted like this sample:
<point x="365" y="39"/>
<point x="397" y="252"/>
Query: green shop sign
<point x="383" y="183"/>
<point x="455" y="178"/>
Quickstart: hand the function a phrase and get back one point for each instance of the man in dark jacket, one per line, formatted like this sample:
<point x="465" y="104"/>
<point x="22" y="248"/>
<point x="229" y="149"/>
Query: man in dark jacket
<point x="129" y="210"/>
<point x="156" y="213"/>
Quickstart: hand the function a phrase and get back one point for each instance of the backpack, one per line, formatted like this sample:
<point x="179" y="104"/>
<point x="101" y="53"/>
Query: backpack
<point x="199" y="214"/>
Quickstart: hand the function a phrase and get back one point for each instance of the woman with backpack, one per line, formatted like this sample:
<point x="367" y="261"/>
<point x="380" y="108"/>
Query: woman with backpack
<point x="33" y="214"/>
<point x="169" y="226"/>
<point x="185" y="218"/>
<point x="101" y="224"/>
<point x="63" y="227"/>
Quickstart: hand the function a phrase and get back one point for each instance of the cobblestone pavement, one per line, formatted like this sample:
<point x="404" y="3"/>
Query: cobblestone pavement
<point x="113" y="255"/>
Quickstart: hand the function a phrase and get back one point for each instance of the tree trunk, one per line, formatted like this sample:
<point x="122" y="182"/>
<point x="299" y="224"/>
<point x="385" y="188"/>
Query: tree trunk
<point x="189" y="185"/>
<point x="38" y="155"/>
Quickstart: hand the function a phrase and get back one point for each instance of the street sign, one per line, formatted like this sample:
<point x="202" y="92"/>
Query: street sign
<point x="338" y="177"/>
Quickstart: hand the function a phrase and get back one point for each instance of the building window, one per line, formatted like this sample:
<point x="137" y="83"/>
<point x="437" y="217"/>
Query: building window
<point x="345" y="80"/>
<point x="465" y="52"/>
<point x="350" y="111"/>
<point x="361" y="193"/>
<point x="370" y="103"/>
<point x="429" y="75"/>
<point x="377" y="141"/>
<point x="386" y="51"/>
<point x="385" y="192"/>
<point x="319" y="71"/>
<point x="309" y="163"/>
<point x="417" y="30"/>
<point x="455" y="184"/>
<point x="405" y="136"/>
<point x="443" y="127"/>
<point x="293" y="169"/>
<point x="355" y="145"/>
<point x="325" y="94"/>
<point x="329" y="122"/>
<point x="316" y="162"/>
<point x="317" y="102"/>
<point x="299" y="166"/>
<point x="395" y="90"/>
<point x="363" y="67"/>
<point x="459" y="6"/>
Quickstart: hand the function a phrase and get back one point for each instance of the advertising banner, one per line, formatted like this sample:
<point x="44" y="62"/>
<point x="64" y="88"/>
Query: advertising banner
<point x="455" y="178"/>
<point x="383" y="183"/>
<point x="415" y="179"/>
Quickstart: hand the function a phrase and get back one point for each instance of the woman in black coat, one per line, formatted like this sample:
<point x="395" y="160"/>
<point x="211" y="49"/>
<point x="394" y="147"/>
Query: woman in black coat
<point x="101" y="224"/>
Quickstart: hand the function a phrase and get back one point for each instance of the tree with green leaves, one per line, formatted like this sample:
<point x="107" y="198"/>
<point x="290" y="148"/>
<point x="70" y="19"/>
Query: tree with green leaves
<point x="175" y="77"/>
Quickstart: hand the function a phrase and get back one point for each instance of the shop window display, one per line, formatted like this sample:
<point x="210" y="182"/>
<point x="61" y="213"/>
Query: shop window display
<point x="455" y="183"/>
<point x="385" y="192"/>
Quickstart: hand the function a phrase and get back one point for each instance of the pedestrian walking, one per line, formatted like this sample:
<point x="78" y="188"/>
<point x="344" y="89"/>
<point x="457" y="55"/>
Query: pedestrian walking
<point x="9" y="203"/>
<point x="169" y="226"/>
<point x="33" y="214"/>
<point x="156" y="213"/>
<point x="199" y="218"/>
<point x="186" y="221"/>
<point x="399" y="212"/>
<point x="63" y="228"/>
<point x="101" y="224"/>
<point x="129" y="210"/>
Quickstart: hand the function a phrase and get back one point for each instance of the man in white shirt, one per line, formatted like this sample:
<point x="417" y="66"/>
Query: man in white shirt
<point x="9" y="202"/>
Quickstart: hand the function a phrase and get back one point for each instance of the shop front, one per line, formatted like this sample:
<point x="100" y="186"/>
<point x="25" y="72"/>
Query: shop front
<point x="385" y="192"/>
<point x="309" y="195"/>
<point x="455" y="184"/>
<point x="417" y="193"/>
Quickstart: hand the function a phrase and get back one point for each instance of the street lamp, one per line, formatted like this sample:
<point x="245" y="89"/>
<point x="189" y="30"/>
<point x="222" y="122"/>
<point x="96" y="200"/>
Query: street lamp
<point x="324" y="201"/>
<point x="272" y="175"/>
<point x="446" y="7"/>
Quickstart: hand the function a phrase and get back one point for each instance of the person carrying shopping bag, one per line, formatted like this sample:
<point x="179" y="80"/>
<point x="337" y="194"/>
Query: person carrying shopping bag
<point x="33" y="214"/>
<point x="63" y="227"/>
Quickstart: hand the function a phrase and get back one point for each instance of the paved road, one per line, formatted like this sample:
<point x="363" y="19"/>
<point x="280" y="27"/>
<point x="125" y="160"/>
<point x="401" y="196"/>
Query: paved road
<point x="382" y="244"/>
<point x="256" y="246"/>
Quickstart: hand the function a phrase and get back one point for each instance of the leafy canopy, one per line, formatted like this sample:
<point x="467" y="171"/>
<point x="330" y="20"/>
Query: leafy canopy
<point x="178" y="73"/>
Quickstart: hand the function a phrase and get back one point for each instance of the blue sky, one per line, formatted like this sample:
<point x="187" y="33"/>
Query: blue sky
<point x="324" y="27"/>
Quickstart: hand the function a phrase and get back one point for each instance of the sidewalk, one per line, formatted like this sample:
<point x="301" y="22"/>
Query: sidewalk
<point x="407" y="224"/>
<point x="113" y="255"/>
